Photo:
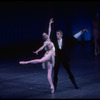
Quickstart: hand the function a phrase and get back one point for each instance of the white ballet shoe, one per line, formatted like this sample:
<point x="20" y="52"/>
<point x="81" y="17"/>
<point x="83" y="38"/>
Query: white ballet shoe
<point x="52" y="90"/>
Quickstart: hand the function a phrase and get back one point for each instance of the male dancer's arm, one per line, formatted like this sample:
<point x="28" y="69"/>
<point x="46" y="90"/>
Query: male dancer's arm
<point x="74" y="39"/>
<point x="80" y="33"/>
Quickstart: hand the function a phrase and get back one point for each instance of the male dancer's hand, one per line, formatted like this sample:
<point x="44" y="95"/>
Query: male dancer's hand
<point x="84" y="30"/>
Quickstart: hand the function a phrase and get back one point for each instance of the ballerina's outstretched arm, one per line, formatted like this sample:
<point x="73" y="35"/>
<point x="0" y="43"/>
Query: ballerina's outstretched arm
<point x="41" y="48"/>
<point x="49" y="29"/>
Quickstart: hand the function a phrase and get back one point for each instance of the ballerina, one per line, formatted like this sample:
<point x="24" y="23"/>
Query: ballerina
<point x="49" y="60"/>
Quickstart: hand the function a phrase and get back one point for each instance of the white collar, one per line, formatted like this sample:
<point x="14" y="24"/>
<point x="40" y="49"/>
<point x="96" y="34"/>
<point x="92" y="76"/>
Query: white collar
<point x="60" y="40"/>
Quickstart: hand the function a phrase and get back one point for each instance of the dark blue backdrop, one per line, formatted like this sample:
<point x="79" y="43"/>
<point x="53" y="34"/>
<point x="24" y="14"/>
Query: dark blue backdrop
<point x="24" y="22"/>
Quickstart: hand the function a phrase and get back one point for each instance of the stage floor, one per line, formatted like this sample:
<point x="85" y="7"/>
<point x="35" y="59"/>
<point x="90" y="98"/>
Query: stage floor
<point x="30" y="81"/>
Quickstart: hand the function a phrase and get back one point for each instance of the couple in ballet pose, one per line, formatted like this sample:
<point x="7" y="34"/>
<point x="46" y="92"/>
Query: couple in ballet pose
<point x="54" y="55"/>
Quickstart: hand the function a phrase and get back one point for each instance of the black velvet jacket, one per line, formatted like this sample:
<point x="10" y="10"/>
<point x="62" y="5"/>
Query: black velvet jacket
<point x="66" y="45"/>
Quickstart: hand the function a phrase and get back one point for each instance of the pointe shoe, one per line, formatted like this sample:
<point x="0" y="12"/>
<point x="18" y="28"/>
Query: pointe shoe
<point x="23" y="62"/>
<point x="52" y="90"/>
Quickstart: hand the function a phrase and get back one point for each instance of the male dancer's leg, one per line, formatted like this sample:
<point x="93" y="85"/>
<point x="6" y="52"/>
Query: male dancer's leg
<point x="67" y="67"/>
<point x="56" y="69"/>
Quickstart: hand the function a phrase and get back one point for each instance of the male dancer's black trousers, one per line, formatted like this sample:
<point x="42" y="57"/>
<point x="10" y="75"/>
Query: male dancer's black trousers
<point x="64" y="61"/>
